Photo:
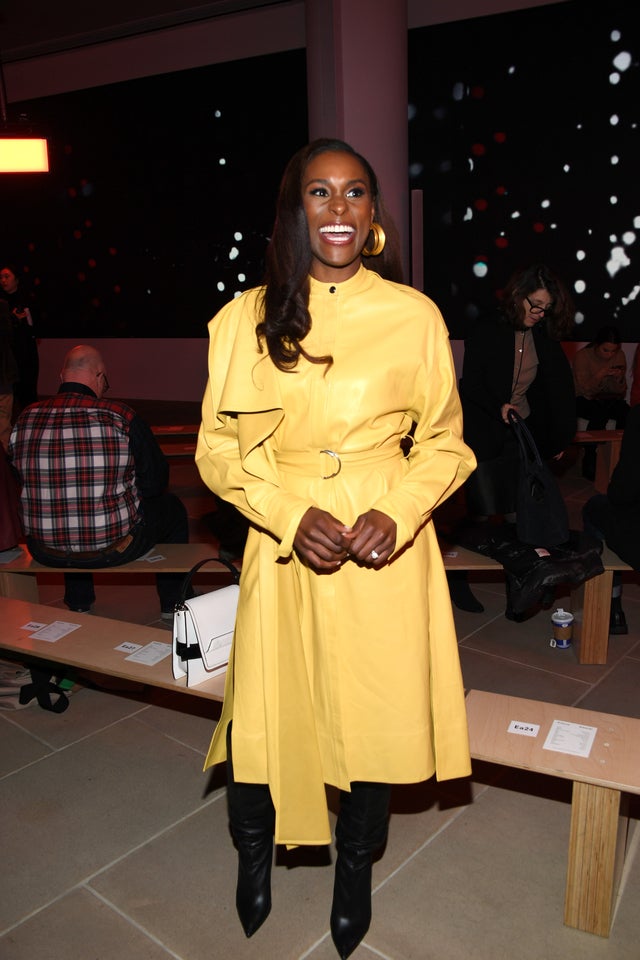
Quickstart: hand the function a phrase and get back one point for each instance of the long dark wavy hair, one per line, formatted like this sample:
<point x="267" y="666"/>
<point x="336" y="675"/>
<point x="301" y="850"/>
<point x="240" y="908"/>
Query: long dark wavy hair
<point x="559" y="320"/>
<point x="286" y="320"/>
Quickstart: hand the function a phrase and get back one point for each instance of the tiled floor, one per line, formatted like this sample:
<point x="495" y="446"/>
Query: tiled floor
<point x="115" y="844"/>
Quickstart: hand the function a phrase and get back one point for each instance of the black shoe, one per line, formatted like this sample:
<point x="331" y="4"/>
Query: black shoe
<point x="252" y="821"/>
<point x="617" y="620"/>
<point x="361" y="830"/>
<point x="509" y="614"/>
<point x="460" y="592"/>
<point x="253" y="891"/>
<point x="351" y="910"/>
<point x="548" y="597"/>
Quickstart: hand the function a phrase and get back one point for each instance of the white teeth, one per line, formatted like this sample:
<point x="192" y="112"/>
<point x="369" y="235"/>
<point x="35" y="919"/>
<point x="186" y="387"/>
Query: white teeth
<point x="337" y="228"/>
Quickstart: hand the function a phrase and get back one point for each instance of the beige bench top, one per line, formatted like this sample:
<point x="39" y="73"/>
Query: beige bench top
<point x="598" y="436"/>
<point x="93" y="646"/>
<point x="180" y="557"/>
<point x="614" y="759"/>
<point x="175" y="429"/>
<point x="174" y="558"/>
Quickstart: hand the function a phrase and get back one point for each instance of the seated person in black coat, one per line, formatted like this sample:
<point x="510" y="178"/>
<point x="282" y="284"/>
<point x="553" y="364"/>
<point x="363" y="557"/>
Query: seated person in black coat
<point x="615" y="517"/>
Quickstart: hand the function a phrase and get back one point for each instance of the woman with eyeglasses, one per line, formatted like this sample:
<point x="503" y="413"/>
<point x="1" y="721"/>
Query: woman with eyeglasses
<point x="514" y="360"/>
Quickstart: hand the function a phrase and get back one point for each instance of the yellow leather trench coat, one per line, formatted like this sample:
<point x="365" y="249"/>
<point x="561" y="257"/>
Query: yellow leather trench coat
<point x="351" y="675"/>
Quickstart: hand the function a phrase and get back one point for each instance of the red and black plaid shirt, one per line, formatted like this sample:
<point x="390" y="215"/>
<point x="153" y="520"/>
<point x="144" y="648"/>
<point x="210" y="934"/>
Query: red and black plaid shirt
<point x="76" y="465"/>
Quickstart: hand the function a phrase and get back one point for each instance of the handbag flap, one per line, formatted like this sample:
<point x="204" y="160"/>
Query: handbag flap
<point x="213" y="617"/>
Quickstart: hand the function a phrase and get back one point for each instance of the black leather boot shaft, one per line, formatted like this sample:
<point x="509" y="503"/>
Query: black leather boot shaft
<point x="361" y="831"/>
<point x="252" y="821"/>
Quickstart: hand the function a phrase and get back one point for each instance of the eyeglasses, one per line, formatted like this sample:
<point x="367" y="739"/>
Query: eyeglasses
<point x="537" y="311"/>
<point x="104" y="377"/>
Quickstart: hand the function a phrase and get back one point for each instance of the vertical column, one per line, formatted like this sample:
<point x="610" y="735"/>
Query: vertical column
<point x="358" y="89"/>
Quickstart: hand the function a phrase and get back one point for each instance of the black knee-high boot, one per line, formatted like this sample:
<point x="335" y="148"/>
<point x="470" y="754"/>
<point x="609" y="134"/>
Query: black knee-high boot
<point x="252" y="820"/>
<point x="361" y="831"/>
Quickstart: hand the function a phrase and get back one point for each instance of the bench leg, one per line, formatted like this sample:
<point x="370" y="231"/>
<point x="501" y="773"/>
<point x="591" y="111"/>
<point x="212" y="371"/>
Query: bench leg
<point x="19" y="586"/>
<point x="606" y="459"/>
<point x="593" y="631"/>
<point x="596" y="852"/>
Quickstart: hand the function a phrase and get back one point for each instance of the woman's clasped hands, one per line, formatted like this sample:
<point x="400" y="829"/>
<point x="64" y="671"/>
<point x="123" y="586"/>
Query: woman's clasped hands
<point x="325" y="543"/>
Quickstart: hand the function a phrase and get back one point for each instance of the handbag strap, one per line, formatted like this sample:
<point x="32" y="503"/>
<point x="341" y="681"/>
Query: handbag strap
<point x="524" y="436"/>
<point x="186" y="583"/>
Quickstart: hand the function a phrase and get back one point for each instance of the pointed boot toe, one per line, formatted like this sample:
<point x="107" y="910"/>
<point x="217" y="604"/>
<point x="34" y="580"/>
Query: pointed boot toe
<point x="253" y="910"/>
<point x="346" y="935"/>
<point x="351" y="910"/>
<point x="253" y="893"/>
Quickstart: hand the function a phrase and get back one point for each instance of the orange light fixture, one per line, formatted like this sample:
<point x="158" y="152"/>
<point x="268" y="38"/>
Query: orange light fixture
<point x="23" y="154"/>
<point x="21" y="149"/>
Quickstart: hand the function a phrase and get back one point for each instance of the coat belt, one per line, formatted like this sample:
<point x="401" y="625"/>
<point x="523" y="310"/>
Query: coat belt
<point x="328" y="463"/>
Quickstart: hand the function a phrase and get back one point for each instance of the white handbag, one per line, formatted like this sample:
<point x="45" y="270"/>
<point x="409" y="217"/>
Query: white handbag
<point x="203" y="628"/>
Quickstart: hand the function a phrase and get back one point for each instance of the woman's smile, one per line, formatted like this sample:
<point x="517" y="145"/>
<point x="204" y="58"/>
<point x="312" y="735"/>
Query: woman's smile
<point x="339" y="208"/>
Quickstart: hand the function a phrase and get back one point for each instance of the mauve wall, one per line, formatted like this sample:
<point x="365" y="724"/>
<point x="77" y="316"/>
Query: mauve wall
<point x="171" y="368"/>
<point x="137" y="368"/>
<point x="177" y="369"/>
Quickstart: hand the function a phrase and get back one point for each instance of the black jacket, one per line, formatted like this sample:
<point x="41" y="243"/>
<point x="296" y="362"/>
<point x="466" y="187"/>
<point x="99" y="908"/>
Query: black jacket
<point x="487" y="376"/>
<point x="623" y="529"/>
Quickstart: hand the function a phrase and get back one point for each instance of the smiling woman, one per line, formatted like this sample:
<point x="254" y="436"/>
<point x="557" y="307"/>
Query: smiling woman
<point x="331" y="364"/>
<point x="339" y="211"/>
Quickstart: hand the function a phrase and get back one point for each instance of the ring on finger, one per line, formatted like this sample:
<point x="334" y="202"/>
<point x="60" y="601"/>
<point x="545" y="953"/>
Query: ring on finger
<point x="374" y="555"/>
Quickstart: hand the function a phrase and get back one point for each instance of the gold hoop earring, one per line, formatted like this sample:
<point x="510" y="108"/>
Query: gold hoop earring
<point x="379" y="241"/>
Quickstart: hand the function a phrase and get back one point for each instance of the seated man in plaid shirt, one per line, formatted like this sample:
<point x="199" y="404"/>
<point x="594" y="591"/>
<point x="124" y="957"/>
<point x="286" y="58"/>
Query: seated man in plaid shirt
<point x="93" y="482"/>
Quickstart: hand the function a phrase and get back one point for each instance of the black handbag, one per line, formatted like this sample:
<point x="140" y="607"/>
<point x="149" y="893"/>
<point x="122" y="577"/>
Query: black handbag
<point x="541" y="513"/>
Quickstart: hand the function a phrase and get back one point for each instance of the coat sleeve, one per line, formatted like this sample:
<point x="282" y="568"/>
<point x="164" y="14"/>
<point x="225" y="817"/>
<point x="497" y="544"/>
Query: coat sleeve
<point x="552" y="398"/>
<point x="624" y="486"/>
<point x="439" y="461"/>
<point x="151" y="465"/>
<point x="487" y="369"/>
<point x="231" y="455"/>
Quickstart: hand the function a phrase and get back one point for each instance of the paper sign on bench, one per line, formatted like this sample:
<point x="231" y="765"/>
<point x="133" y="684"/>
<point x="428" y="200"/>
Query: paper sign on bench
<point x="574" y="738"/>
<point x="524" y="729"/>
<point x="152" y="653"/>
<point x="55" y="631"/>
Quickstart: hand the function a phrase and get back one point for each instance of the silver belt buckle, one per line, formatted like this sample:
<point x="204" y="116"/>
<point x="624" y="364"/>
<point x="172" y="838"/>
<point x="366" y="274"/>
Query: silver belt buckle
<point x="335" y="456"/>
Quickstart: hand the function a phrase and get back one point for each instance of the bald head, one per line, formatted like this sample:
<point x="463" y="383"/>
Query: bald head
<point x="84" y="364"/>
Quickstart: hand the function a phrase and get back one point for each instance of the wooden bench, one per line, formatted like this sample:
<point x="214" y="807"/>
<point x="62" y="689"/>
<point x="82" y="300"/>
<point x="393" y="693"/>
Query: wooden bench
<point x="175" y="430"/>
<point x="611" y="769"/>
<point x="609" y="445"/>
<point x="177" y="440"/>
<point x="590" y="603"/>
<point x="18" y="578"/>
<point x="92" y="647"/>
<point x="175" y="450"/>
<point x="598" y="820"/>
